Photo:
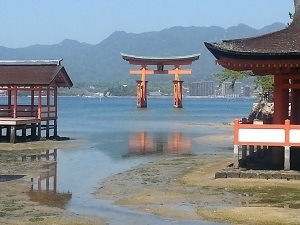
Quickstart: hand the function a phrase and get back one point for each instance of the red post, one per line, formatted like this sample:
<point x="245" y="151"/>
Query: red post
<point x="295" y="107"/>
<point x="236" y="132"/>
<point x="141" y="94"/>
<point x="40" y="104"/>
<point x="281" y="100"/>
<point x="9" y="100"/>
<point x="15" y="102"/>
<point x="287" y="125"/>
<point x="177" y="93"/>
<point x="32" y="102"/>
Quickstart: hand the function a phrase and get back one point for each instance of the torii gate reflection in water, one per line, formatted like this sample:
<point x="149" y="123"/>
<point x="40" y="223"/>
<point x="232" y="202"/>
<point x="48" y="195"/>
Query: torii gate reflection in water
<point x="160" y="63"/>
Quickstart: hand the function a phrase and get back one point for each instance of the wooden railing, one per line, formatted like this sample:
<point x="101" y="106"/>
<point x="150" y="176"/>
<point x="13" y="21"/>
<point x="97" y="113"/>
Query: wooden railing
<point x="266" y="134"/>
<point x="271" y="135"/>
<point x="45" y="112"/>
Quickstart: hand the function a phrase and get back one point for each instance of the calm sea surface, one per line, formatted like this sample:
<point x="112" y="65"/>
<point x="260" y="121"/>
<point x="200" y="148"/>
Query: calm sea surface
<point x="118" y="136"/>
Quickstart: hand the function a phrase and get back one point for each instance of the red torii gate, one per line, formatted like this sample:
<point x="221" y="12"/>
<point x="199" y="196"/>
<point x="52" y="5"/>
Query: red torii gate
<point x="160" y="62"/>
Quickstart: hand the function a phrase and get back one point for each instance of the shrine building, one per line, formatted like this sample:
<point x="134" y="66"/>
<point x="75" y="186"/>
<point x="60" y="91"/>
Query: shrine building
<point x="28" y="107"/>
<point x="277" y="54"/>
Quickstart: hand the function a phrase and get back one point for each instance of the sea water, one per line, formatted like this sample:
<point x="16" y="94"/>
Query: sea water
<point x="117" y="136"/>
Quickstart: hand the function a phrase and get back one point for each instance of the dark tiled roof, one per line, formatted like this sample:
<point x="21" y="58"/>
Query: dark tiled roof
<point x="283" y="44"/>
<point x="34" y="75"/>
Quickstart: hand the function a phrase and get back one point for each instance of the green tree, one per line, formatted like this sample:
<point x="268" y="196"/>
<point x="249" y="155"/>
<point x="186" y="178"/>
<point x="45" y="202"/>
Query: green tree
<point x="231" y="76"/>
<point x="265" y="82"/>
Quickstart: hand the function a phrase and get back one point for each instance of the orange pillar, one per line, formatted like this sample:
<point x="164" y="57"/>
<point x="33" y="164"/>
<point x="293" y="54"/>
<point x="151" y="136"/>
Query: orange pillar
<point x="142" y="90"/>
<point x="295" y="106"/>
<point x="141" y="94"/>
<point x="281" y="100"/>
<point x="177" y="93"/>
<point x="281" y="109"/>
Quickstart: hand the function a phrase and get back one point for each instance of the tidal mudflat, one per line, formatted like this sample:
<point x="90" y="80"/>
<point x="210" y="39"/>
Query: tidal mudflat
<point x="124" y="171"/>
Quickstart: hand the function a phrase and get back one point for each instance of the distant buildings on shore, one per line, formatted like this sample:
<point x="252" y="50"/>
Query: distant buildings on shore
<point x="210" y="89"/>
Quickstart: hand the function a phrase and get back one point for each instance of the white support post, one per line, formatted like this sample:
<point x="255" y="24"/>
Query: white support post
<point x="287" y="157"/>
<point x="236" y="163"/>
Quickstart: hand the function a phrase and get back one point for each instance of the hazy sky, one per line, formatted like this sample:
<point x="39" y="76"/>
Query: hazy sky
<point x="29" y="22"/>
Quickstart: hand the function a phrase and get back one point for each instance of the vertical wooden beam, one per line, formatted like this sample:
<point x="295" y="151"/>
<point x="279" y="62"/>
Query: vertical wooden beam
<point x="295" y="106"/>
<point x="281" y="107"/>
<point x="281" y="100"/>
<point x="138" y="93"/>
<point x="55" y="178"/>
<point x="251" y="152"/>
<point x="48" y="112"/>
<point x="9" y="100"/>
<point x="144" y="89"/>
<point x="39" y="131"/>
<point x="40" y="103"/>
<point x="141" y="94"/>
<point x="15" y="102"/>
<point x="177" y="94"/>
<point x="48" y="100"/>
<point x="24" y="132"/>
<point x="55" y="100"/>
<point x="8" y="133"/>
<point x="12" y="134"/>
<point x="32" y="102"/>
<point x="177" y="89"/>
<point x="47" y="128"/>
<point x="244" y="154"/>
<point x="33" y="131"/>
<point x="56" y="110"/>
<point x="55" y="129"/>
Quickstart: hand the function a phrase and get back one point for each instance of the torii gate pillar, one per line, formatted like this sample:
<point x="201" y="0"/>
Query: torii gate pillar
<point x="141" y="94"/>
<point x="177" y="93"/>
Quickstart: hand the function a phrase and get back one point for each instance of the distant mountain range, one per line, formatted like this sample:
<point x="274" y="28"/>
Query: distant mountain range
<point x="103" y="62"/>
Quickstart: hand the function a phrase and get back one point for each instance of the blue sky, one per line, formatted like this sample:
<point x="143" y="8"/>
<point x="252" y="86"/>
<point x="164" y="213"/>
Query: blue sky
<point x="29" y="22"/>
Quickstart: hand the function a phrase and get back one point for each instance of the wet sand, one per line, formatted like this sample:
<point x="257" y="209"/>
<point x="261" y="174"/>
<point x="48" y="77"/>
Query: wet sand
<point x="179" y="187"/>
<point x="185" y="188"/>
<point x="16" y="208"/>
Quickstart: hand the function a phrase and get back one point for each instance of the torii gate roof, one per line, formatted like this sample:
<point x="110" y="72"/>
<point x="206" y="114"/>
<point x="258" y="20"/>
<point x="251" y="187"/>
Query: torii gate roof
<point x="150" y="60"/>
